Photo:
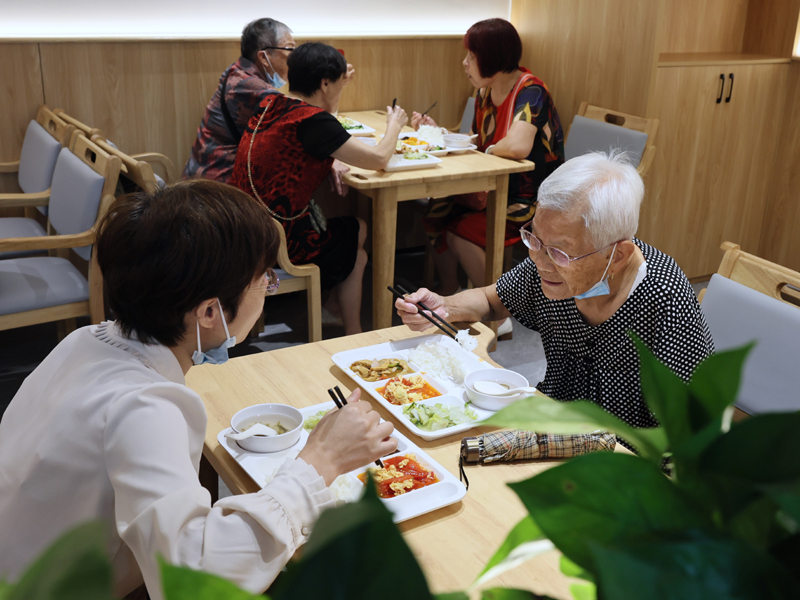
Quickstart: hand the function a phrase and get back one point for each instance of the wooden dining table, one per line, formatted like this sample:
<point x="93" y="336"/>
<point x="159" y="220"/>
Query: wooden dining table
<point x="451" y="544"/>
<point x="470" y="171"/>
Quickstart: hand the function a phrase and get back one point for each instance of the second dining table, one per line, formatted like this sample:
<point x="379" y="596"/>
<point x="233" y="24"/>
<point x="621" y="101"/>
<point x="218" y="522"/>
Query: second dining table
<point x="461" y="173"/>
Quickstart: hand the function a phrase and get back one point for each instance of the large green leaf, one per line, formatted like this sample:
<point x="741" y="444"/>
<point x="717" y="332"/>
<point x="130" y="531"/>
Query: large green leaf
<point x="605" y="498"/>
<point x="74" y="567"/>
<point x="348" y="549"/>
<point x="539" y="413"/>
<point x="570" y="569"/>
<point x="715" y="382"/>
<point x="583" y="591"/>
<point x="511" y="594"/>
<point x="523" y="542"/>
<point x="452" y="596"/>
<point x="695" y="566"/>
<point x="180" y="583"/>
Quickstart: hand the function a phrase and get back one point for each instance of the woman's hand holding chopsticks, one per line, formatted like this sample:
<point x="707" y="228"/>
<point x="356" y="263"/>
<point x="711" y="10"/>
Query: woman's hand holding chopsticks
<point x="347" y="439"/>
<point x="410" y="313"/>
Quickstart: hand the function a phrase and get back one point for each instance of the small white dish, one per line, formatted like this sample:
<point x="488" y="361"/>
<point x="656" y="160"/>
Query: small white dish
<point x="457" y="140"/>
<point x="461" y="150"/>
<point x="268" y="414"/>
<point x="398" y="163"/>
<point x="500" y="376"/>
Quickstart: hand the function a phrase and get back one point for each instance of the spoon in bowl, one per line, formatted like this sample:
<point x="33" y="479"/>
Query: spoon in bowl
<point x="257" y="429"/>
<point x="493" y="388"/>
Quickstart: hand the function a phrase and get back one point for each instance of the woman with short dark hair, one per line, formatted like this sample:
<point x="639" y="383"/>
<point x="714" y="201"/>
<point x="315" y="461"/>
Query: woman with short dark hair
<point x="287" y="152"/>
<point x="515" y="117"/>
<point x="105" y="428"/>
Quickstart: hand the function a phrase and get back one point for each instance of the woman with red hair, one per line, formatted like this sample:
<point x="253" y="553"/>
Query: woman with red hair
<point x="515" y="117"/>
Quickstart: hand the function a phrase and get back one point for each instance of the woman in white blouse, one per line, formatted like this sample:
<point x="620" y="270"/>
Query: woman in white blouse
<point x="105" y="427"/>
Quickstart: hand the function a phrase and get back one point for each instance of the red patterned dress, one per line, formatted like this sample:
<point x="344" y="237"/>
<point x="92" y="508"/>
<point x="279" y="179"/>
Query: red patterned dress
<point x="290" y="158"/>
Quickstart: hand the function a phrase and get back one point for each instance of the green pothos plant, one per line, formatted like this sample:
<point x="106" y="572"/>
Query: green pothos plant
<point x="724" y="525"/>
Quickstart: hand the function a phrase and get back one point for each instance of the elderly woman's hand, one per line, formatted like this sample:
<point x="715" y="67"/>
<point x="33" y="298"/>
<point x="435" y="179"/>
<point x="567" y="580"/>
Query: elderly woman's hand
<point x="336" y="176"/>
<point x="408" y="311"/>
<point x="347" y="439"/>
<point x="395" y="116"/>
<point x="418" y="120"/>
<point x="349" y="74"/>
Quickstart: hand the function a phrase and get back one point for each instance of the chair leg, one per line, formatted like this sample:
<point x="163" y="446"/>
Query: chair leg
<point x="314" y="295"/>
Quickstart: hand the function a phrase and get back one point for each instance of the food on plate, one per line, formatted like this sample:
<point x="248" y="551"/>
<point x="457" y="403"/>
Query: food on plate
<point x="404" y="390"/>
<point x="375" y="370"/>
<point x="414" y="155"/>
<point x="311" y="422"/>
<point x="433" y="417"/>
<point x="465" y="340"/>
<point x="399" y="475"/>
<point x="349" y="123"/>
<point x="278" y="426"/>
<point x="438" y="360"/>
<point x="432" y="135"/>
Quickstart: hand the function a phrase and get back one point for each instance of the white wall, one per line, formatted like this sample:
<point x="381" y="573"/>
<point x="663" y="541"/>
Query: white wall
<point x="38" y="19"/>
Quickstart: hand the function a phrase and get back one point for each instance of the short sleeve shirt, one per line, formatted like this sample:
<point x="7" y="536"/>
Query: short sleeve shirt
<point x="600" y="363"/>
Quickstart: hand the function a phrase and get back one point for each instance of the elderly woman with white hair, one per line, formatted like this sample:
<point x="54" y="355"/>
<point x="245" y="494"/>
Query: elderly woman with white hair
<point x="588" y="282"/>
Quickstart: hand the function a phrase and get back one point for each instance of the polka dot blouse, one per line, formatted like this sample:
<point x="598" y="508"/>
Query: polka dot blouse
<point x="600" y="363"/>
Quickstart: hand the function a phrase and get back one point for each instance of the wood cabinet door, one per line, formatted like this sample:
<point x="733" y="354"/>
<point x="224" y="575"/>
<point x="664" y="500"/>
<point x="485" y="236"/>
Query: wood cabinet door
<point x="710" y="175"/>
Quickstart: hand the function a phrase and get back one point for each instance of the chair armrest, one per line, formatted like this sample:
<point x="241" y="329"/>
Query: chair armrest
<point x="48" y="242"/>
<point x="25" y="200"/>
<point x="647" y="159"/>
<point x="9" y="167"/>
<point x="158" y="159"/>
<point x="298" y="270"/>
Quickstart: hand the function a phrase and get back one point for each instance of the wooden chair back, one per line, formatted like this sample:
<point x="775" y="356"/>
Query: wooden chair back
<point x="137" y="171"/>
<point x="80" y="126"/>
<point x="632" y="122"/>
<point x="761" y="275"/>
<point x="60" y="129"/>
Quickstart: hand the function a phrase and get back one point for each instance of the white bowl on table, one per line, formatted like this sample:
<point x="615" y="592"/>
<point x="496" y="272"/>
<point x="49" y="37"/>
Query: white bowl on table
<point x="288" y="415"/>
<point x="457" y="140"/>
<point x="512" y="379"/>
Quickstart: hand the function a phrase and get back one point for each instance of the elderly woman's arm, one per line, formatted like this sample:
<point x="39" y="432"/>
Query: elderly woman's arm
<point x="481" y="304"/>
<point x="517" y="144"/>
<point x="358" y="154"/>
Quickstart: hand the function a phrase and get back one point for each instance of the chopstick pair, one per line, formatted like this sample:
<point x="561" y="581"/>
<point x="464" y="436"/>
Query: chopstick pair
<point x="340" y="401"/>
<point x="434" y="318"/>
<point x="430" y="109"/>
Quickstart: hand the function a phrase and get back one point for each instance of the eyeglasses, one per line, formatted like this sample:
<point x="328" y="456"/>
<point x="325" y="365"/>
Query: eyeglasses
<point x="288" y="49"/>
<point x="271" y="283"/>
<point x="559" y="257"/>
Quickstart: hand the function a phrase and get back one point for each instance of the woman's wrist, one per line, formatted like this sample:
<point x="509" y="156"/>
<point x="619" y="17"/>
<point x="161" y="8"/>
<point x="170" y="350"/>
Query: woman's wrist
<point x="489" y="150"/>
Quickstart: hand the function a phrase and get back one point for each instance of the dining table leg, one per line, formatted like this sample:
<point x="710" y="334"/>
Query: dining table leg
<point x="496" y="205"/>
<point x="384" y="237"/>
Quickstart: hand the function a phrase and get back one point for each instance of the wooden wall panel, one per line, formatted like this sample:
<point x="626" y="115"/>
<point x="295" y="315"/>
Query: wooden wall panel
<point x="21" y="93"/>
<point x="150" y="96"/>
<point x="704" y="25"/>
<point x="771" y="27"/>
<point x="601" y="51"/>
<point x="780" y="234"/>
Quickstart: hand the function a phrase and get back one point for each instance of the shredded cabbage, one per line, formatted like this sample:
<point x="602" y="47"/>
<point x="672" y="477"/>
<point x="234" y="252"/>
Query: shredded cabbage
<point x="433" y="417"/>
<point x="311" y="422"/>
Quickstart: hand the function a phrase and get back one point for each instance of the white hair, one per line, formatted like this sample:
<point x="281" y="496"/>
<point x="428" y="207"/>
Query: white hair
<point x="602" y="187"/>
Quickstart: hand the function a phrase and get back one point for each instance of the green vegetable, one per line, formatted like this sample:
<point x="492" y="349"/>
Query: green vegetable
<point x="311" y="422"/>
<point x="438" y="416"/>
<point x="415" y="156"/>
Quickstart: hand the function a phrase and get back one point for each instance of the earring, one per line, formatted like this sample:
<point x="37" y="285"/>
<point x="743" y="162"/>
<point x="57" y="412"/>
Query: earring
<point x="611" y="276"/>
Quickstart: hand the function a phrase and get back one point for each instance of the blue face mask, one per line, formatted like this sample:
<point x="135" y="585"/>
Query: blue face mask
<point x="274" y="80"/>
<point x="215" y="356"/>
<point x="601" y="287"/>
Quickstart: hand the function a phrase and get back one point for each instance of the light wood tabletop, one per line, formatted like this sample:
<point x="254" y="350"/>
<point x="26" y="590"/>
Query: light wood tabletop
<point x="452" y="544"/>
<point x="470" y="171"/>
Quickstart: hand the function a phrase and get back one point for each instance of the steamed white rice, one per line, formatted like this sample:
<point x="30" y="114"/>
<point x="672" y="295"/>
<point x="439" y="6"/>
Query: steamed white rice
<point x="439" y="361"/>
<point x="432" y="135"/>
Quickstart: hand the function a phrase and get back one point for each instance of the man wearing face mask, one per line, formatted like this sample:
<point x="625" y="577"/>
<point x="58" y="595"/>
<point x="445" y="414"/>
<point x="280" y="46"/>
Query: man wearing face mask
<point x="587" y="283"/>
<point x="260" y="70"/>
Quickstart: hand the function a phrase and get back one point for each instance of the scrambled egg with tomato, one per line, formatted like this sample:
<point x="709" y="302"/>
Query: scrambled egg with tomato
<point x="404" y="390"/>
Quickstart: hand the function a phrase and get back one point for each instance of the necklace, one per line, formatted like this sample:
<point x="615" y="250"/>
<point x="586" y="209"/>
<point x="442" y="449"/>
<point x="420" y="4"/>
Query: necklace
<point x="250" y="175"/>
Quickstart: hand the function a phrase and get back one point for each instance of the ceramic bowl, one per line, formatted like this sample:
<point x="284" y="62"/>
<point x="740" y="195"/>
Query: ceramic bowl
<point x="486" y="401"/>
<point x="287" y="415"/>
<point x="457" y="140"/>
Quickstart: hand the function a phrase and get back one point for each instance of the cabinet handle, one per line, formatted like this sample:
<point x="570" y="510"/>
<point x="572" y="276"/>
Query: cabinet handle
<point x="721" y="88"/>
<point x="730" y="91"/>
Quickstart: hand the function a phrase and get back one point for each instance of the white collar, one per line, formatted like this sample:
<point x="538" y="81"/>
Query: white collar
<point x="157" y="357"/>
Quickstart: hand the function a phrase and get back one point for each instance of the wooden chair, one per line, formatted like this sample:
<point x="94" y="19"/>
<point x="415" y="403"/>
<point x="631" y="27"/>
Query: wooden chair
<point x="138" y="172"/>
<point x="293" y="279"/>
<point x="626" y="121"/>
<point x="166" y="168"/>
<point x="761" y="275"/>
<point x="48" y="288"/>
<point x="44" y="138"/>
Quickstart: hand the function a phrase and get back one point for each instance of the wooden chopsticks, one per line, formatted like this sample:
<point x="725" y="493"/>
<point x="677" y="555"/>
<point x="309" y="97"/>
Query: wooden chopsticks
<point x="434" y="318"/>
<point x="340" y="401"/>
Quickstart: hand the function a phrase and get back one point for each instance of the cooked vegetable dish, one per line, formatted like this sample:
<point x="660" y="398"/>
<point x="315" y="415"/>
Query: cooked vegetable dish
<point x="376" y="370"/>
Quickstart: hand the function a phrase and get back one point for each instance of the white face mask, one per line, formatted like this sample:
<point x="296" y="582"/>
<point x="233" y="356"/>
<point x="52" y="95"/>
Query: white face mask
<point x="215" y="356"/>
<point x="274" y="79"/>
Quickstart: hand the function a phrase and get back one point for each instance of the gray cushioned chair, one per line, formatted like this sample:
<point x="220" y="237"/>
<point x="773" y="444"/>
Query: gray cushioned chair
<point x="43" y="289"/>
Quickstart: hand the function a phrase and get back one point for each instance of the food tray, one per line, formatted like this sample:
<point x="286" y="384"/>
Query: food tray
<point x="362" y="130"/>
<point x="449" y="490"/>
<point x="437" y="153"/>
<point x="398" y="163"/>
<point x="451" y="393"/>
<point x="452" y="150"/>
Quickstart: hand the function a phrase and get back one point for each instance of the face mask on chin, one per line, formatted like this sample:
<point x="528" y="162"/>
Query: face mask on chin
<point x="215" y="356"/>
<point x="273" y="79"/>
<point x="601" y="287"/>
